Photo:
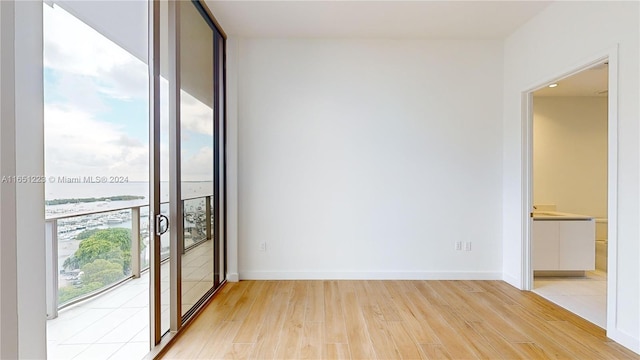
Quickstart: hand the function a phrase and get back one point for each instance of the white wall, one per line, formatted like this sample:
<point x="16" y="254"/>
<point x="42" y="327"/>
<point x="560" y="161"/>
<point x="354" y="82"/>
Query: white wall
<point x="563" y="36"/>
<point x="22" y="300"/>
<point x="369" y="158"/>
<point x="8" y="263"/>
<point x="29" y="106"/>
<point x="570" y="153"/>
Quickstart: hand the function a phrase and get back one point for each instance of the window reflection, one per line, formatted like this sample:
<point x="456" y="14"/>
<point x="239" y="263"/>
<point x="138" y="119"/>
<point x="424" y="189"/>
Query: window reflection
<point x="197" y="153"/>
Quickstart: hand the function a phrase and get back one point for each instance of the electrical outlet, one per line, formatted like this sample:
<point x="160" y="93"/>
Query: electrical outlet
<point x="458" y="245"/>
<point x="467" y="246"/>
<point x="263" y="246"/>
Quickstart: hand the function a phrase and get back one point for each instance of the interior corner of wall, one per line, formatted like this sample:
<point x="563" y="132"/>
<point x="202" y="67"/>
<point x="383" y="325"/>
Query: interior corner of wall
<point x="512" y="280"/>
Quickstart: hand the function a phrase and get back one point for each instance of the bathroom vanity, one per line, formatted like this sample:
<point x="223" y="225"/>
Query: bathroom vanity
<point x="563" y="242"/>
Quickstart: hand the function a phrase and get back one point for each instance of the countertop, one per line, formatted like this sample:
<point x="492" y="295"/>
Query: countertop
<point x="556" y="215"/>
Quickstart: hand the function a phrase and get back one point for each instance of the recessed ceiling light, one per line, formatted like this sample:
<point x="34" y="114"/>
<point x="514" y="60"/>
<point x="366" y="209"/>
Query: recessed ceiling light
<point x="553" y="85"/>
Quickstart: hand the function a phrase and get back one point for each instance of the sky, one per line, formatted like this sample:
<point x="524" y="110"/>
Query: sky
<point x="96" y="109"/>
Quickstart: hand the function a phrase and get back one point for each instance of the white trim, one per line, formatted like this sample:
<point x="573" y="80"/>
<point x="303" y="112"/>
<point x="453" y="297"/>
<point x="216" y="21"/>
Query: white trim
<point x="612" y="195"/>
<point x="370" y="275"/>
<point x="511" y="280"/>
<point x="527" y="195"/>
<point x="624" y="339"/>
<point x="527" y="121"/>
<point x="232" y="66"/>
<point x="233" y="277"/>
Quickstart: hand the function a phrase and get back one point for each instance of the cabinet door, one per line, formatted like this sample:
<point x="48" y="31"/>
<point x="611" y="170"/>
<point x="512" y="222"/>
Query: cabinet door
<point x="545" y="254"/>
<point x="577" y="245"/>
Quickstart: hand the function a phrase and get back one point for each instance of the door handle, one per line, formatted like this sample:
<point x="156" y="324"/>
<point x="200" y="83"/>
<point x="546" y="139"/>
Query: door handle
<point x="160" y="220"/>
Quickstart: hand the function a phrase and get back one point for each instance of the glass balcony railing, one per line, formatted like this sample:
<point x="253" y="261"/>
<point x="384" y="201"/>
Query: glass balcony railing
<point x="91" y="252"/>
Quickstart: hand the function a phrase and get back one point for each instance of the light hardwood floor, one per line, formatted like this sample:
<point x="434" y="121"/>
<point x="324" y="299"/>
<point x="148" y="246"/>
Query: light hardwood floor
<point x="388" y="320"/>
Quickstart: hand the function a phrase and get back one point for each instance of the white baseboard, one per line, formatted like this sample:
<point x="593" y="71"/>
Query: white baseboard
<point x="233" y="277"/>
<point x="624" y="339"/>
<point x="369" y="275"/>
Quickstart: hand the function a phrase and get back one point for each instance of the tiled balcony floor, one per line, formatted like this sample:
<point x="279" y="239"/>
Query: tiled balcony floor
<point x="115" y="325"/>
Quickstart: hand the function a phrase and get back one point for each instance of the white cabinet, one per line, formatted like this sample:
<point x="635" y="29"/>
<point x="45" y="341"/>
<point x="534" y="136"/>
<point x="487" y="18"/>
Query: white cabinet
<point x="545" y="245"/>
<point x="563" y="245"/>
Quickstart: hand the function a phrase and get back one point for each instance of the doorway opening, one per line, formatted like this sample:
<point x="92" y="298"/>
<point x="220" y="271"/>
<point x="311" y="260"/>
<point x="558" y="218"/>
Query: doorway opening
<point x="570" y="168"/>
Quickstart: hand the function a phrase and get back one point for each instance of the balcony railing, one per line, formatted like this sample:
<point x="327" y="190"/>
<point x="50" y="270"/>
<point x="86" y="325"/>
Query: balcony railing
<point x="71" y="279"/>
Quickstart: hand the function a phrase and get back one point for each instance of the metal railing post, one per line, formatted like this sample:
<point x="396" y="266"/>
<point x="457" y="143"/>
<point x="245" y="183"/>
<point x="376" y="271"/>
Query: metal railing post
<point x="207" y="207"/>
<point x="135" y="242"/>
<point x="181" y="236"/>
<point x="51" y="263"/>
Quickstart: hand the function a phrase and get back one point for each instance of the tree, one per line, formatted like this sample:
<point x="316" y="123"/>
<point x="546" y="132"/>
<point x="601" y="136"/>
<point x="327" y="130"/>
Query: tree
<point x="101" y="272"/>
<point x="119" y="236"/>
<point x="87" y="233"/>
<point x="71" y="263"/>
<point x="104" y="256"/>
<point x="113" y="245"/>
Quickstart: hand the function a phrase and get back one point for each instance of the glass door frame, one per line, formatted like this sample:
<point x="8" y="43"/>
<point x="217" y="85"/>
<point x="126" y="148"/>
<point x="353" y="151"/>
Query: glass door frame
<point x="175" y="211"/>
<point x="154" y="170"/>
<point x="175" y="199"/>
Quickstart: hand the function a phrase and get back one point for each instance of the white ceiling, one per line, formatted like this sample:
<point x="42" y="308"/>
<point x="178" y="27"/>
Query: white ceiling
<point x="124" y="22"/>
<point x="374" y="19"/>
<point x="589" y="82"/>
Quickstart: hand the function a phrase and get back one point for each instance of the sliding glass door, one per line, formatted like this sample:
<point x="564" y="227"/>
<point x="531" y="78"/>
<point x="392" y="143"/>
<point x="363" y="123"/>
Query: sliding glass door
<point x="198" y="136"/>
<point x="187" y="131"/>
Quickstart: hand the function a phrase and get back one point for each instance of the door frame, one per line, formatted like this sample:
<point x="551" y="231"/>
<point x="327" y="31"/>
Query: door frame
<point x="611" y="55"/>
<point x="177" y="320"/>
<point x="175" y="208"/>
<point x="154" y="171"/>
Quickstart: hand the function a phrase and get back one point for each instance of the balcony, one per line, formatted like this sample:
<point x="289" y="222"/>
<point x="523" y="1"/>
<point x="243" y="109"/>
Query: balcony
<point x="92" y="318"/>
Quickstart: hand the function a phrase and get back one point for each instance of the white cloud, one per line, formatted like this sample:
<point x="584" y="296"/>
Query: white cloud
<point x="78" y="91"/>
<point x="88" y="70"/>
<point x="195" y="115"/>
<point x="199" y="166"/>
<point x="76" y="144"/>
<point x="72" y="46"/>
<point x="127" y="81"/>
